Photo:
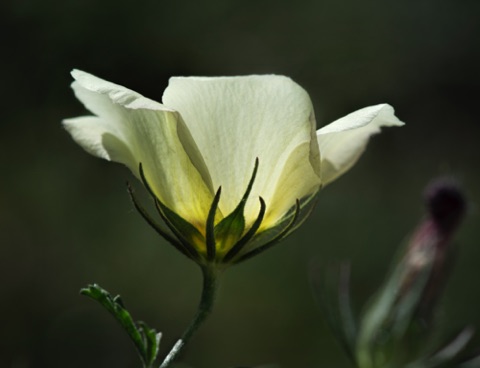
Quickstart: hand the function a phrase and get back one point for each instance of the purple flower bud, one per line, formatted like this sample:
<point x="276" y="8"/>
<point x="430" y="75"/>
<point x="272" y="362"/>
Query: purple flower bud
<point x="430" y="248"/>
<point x="395" y="328"/>
<point x="446" y="204"/>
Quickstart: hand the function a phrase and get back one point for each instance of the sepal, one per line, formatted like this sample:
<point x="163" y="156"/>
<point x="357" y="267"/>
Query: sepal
<point x="248" y="235"/>
<point x="184" y="231"/>
<point x="266" y="238"/>
<point x="280" y="232"/>
<point x="230" y="229"/>
<point x="228" y="241"/>
<point x="155" y="225"/>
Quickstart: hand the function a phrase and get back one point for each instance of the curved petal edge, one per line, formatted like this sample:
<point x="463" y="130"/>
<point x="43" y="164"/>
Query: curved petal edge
<point x="342" y="142"/>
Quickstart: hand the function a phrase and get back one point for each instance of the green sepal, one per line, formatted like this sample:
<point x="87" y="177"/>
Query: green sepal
<point x="145" y="339"/>
<point x="233" y="225"/>
<point x="230" y="229"/>
<point x="210" y="227"/>
<point x="248" y="235"/>
<point x="156" y="226"/>
<point x="184" y="231"/>
<point x="303" y="209"/>
<point x="289" y="223"/>
<point x="282" y="234"/>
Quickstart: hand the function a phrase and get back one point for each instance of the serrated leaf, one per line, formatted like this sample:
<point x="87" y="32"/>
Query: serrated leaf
<point x="151" y="341"/>
<point x="145" y="339"/>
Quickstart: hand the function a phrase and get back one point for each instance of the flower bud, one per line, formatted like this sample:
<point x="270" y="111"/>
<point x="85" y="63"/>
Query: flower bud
<point x="446" y="205"/>
<point x="395" y="326"/>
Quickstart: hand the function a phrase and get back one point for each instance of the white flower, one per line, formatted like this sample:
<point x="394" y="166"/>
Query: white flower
<point x="212" y="132"/>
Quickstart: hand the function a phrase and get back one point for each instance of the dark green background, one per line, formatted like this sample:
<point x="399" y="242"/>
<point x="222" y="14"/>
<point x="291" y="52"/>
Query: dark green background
<point x="66" y="220"/>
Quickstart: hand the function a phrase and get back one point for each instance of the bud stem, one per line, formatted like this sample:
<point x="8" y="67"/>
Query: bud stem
<point x="205" y="306"/>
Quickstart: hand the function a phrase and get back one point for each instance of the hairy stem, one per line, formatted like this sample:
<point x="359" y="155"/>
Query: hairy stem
<point x="204" y="309"/>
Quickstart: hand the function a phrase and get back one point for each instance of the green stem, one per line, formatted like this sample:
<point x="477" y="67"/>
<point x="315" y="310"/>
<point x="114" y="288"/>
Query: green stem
<point x="203" y="311"/>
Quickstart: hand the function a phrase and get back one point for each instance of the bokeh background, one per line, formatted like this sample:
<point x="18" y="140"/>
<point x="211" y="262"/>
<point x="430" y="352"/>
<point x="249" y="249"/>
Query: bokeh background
<point x="66" y="220"/>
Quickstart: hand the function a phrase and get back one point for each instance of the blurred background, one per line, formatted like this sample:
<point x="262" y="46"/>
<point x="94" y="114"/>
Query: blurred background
<point x="66" y="219"/>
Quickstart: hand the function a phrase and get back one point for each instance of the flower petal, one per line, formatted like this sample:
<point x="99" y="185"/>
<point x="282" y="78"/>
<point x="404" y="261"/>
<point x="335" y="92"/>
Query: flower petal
<point x="132" y="129"/>
<point x="89" y="133"/>
<point x="237" y="119"/>
<point x="297" y="181"/>
<point x="342" y="142"/>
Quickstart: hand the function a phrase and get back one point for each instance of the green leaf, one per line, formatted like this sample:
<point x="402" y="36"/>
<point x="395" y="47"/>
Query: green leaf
<point x="151" y="342"/>
<point x="145" y="339"/>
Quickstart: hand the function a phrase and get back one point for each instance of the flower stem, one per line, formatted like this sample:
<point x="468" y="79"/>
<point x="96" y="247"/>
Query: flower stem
<point x="204" y="309"/>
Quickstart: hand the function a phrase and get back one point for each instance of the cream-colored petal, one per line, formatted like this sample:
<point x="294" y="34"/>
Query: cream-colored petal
<point x="88" y="131"/>
<point x="298" y="180"/>
<point x="235" y="120"/>
<point x="132" y="129"/>
<point x="342" y="142"/>
<point x="112" y="92"/>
